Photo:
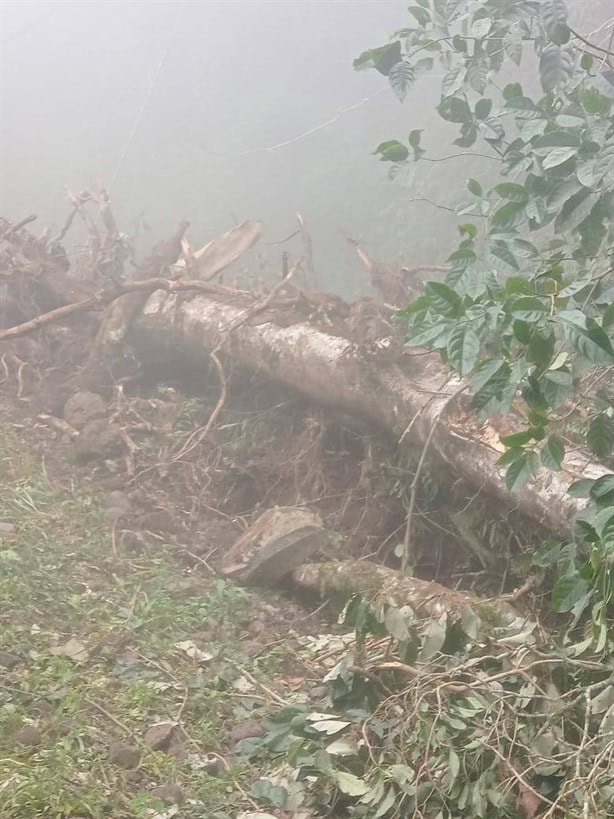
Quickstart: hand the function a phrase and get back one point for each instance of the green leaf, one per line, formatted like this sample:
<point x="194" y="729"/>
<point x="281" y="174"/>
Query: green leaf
<point x="512" y="43"/>
<point x="600" y="436"/>
<point x="513" y="192"/>
<point x="453" y="767"/>
<point x="350" y="784"/>
<point x="414" y="138"/>
<point x="455" y="109"/>
<point x="555" y="139"/>
<point x="525" y="249"/>
<point x="481" y="27"/>
<point x="583" y="279"/>
<point x="575" y="210"/>
<point x="509" y="216"/>
<point x="463" y="349"/>
<point x="421" y="15"/>
<point x="520" y="471"/>
<point x="541" y="349"/>
<point x="382" y="59"/>
<point x="489" y="382"/>
<point x="483" y="108"/>
<point x="434" y="638"/>
<point x="556" y="66"/>
<point x="452" y="82"/>
<point x="568" y="590"/>
<point x="500" y="252"/>
<point x="425" y="337"/>
<point x="587" y="337"/>
<point x="468" y="229"/>
<point x="517" y="439"/>
<point x="392" y="151"/>
<point x="475" y="187"/>
<point x="401" y="77"/>
<point x="593" y="102"/>
<point x="511" y="90"/>
<point x="523" y="108"/>
<point x="554" y="17"/>
<point x="443" y="299"/>
<point x="556" y="386"/>
<point x="586" y="62"/>
<point x="558" y="156"/>
<point x="552" y="453"/>
<point x="477" y="75"/>
<point x="529" y="308"/>
<point x="602" y="491"/>
<point x="581" y="488"/>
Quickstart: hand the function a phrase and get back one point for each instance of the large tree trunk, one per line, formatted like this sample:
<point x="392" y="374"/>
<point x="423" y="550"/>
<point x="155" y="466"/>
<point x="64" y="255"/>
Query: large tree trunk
<point x="407" y="401"/>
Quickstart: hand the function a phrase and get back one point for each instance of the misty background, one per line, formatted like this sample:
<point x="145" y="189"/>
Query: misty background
<point x="224" y="110"/>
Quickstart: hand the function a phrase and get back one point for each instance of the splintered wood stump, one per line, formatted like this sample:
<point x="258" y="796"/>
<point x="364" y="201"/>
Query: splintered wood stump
<point x="280" y="540"/>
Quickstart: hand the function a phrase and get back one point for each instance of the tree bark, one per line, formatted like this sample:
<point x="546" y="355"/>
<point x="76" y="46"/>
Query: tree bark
<point x="415" y="402"/>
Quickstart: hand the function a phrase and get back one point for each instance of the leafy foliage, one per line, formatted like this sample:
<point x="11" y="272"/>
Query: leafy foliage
<point x="442" y="721"/>
<point x="525" y="312"/>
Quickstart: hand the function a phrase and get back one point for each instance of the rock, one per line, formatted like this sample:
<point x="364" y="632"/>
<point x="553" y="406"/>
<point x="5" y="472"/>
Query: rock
<point x="159" y="736"/>
<point x="170" y="794"/>
<point x="251" y="728"/>
<point x="178" y="751"/>
<point x="126" y="756"/>
<point x="7" y="528"/>
<point x="9" y="660"/>
<point x="318" y="692"/>
<point x="28" y="736"/>
<point x="99" y="439"/>
<point x="280" y="540"/>
<point x="83" y="407"/>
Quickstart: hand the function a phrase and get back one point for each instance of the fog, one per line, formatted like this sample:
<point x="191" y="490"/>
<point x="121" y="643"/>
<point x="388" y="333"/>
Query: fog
<point x="218" y="112"/>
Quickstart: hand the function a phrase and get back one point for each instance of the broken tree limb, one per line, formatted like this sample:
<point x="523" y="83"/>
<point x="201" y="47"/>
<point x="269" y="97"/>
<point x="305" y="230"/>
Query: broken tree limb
<point x="331" y="370"/>
<point x="427" y="599"/>
<point x="107" y="296"/>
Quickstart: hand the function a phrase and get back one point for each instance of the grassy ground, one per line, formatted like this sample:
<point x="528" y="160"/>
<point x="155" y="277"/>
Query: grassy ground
<point x="110" y="645"/>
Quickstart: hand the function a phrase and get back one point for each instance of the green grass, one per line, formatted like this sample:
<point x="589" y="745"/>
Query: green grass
<point x="60" y="581"/>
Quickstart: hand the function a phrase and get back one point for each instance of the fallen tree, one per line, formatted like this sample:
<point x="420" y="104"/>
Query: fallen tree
<point x="419" y="403"/>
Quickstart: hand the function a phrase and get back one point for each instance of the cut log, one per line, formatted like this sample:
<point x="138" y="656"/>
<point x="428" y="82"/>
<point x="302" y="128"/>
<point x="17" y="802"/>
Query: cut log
<point x="274" y="545"/>
<point x="332" y="370"/>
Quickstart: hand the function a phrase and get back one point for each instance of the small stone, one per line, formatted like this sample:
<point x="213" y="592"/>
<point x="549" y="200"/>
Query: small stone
<point x="9" y="660"/>
<point x="170" y="794"/>
<point x="7" y="528"/>
<point x="178" y="752"/>
<point x="318" y="692"/>
<point x="159" y="736"/>
<point x="28" y="736"/>
<point x="251" y="728"/>
<point x="213" y="765"/>
<point x="126" y="756"/>
<point x="83" y="407"/>
<point x="99" y="439"/>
